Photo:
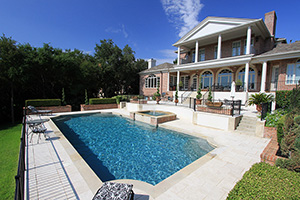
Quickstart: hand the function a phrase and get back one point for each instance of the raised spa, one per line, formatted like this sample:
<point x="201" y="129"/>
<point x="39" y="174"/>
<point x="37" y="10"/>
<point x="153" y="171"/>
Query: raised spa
<point x="153" y="117"/>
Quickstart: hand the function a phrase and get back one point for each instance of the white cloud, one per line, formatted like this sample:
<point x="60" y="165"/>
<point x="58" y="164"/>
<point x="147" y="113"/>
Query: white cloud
<point x="117" y="30"/>
<point x="182" y="14"/>
<point x="167" y="55"/>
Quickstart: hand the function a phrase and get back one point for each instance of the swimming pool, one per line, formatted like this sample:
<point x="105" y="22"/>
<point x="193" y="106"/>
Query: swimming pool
<point x="119" y="148"/>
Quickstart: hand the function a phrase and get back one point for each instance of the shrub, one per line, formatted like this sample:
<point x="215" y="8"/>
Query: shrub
<point x="280" y="133"/>
<point x="43" y="102"/>
<point x="297" y="120"/>
<point x="94" y="101"/>
<point x="283" y="98"/>
<point x="292" y="164"/>
<point x="264" y="181"/>
<point x="273" y="118"/>
<point x="199" y="95"/>
<point x="118" y="99"/>
<point x="258" y="98"/>
<point x="209" y="98"/>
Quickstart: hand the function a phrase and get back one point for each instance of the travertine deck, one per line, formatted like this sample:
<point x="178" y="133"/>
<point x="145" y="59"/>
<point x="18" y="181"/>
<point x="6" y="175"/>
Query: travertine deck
<point x="56" y="171"/>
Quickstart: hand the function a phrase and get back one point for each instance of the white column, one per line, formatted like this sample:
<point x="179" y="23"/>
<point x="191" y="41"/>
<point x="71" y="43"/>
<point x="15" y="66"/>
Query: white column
<point x="219" y="47"/>
<point x="178" y="78"/>
<point x="263" y="77"/>
<point x="248" y="40"/>
<point x="196" y="51"/>
<point x="178" y="56"/>
<point x="246" y="77"/>
<point x="168" y="83"/>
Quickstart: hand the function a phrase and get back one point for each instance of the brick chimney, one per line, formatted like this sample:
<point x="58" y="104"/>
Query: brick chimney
<point x="270" y="21"/>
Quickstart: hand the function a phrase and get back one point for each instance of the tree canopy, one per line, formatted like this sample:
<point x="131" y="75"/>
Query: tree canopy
<point x="28" y="72"/>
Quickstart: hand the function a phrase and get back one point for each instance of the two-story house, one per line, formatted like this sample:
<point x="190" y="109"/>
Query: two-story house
<point x="220" y="50"/>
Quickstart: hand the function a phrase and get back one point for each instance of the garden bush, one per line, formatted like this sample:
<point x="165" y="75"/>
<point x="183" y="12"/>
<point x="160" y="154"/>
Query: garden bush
<point x="272" y="119"/>
<point x="283" y="98"/>
<point x="264" y="181"/>
<point x="94" y="101"/>
<point x="43" y="102"/>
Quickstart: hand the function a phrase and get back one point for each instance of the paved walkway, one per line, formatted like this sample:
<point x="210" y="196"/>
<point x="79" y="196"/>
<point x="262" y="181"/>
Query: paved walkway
<point x="56" y="171"/>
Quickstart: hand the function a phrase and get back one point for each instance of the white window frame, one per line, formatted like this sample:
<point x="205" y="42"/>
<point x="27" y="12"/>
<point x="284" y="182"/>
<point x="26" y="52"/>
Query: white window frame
<point x="152" y="81"/>
<point x="237" y="49"/>
<point x="215" y="52"/>
<point x="292" y="74"/>
<point x="202" y="54"/>
<point x="229" y="78"/>
<point x="209" y="78"/>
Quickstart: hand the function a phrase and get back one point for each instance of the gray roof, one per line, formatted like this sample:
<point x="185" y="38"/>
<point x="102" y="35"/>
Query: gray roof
<point x="283" y="48"/>
<point x="161" y="67"/>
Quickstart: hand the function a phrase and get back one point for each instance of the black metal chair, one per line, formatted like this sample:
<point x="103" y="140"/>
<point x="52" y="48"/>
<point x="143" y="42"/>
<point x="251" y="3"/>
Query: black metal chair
<point x="114" y="191"/>
<point x="35" y="111"/>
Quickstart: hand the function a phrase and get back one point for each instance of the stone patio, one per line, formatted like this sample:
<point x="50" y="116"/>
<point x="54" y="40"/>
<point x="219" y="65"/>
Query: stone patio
<point x="57" y="171"/>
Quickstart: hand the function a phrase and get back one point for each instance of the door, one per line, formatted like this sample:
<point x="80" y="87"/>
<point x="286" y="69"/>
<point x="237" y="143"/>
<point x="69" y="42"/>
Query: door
<point x="274" y="80"/>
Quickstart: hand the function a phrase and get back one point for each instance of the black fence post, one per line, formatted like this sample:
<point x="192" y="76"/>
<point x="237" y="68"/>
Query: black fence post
<point x="190" y="102"/>
<point x="194" y="104"/>
<point x="232" y="108"/>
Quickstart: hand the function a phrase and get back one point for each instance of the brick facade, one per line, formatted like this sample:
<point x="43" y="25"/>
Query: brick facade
<point x="55" y="109"/>
<point x="269" y="153"/>
<point x="84" y="107"/>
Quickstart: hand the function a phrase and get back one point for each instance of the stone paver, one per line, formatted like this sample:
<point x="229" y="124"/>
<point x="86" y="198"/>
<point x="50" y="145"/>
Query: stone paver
<point x="52" y="173"/>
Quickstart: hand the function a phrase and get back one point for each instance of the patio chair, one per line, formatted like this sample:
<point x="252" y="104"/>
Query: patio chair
<point x="35" y="111"/>
<point x="114" y="191"/>
<point x="37" y="129"/>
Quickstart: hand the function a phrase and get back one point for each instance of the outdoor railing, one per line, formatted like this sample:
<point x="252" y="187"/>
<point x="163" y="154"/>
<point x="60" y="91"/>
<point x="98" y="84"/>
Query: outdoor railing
<point x="20" y="177"/>
<point x="265" y="108"/>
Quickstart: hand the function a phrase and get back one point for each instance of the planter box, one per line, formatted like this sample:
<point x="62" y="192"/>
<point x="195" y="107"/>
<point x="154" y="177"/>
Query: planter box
<point x="55" y="109"/>
<point x="84" y="107"/>
<point x="214" y="104"/>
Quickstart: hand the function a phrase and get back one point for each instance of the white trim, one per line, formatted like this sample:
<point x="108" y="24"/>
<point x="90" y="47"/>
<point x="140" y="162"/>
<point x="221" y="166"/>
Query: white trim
<point x="215" y="63"/>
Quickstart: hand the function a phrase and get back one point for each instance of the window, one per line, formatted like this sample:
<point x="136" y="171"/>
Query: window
<point x="225" y="78"/>
<point x="194" y="85"/>
<point x="251" y="79"/>
<point x="251" y="46"/>
<point x="293" y="73"/>
<point x="206" y="79"/>
<point x="236" y="48"/>
<point x="215" y="52"/>
<point x="173" y="81"/>
<point x="201" y="54"/>
<point x="152" y="81"/>
<point x="185" y="82"/>
<point x="193" y="56"/>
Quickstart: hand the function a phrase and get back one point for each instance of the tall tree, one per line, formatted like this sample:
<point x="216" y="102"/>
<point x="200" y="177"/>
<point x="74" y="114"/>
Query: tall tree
<point x="10" y="60"/>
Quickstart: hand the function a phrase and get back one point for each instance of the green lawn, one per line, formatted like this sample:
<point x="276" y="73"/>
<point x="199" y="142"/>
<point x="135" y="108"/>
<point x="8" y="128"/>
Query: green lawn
<point x="9" y="152"/>
<point x="264" y="181"/>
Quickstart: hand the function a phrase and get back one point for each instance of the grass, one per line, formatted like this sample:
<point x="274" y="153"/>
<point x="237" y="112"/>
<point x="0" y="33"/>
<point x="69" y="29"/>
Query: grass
<point x="9" y="152"/>
<point x="264" y="181"/>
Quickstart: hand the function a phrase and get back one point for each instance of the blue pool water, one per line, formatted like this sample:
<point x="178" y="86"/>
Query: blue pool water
<point x="119" y="148"/>
<point x="153" y="113"/>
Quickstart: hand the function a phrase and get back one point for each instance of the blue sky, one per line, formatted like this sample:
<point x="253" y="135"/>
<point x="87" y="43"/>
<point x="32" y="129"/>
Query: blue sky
<point x="148" y="27"/>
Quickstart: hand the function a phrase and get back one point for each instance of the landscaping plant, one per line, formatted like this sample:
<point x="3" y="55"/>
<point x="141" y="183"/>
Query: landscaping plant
<point x="264" y="181"/>
<point x="209" y="98"/>
<point x="199" y="95"/>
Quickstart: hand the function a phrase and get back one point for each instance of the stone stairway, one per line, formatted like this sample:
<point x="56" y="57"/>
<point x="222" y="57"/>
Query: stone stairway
<point x="247" y="125"/>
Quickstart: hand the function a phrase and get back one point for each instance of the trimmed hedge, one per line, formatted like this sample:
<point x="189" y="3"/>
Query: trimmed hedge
<point x="283" y="98"/>
<point x="43" y="102"/>
<point x="264" y="181"/>
<point x="94" y="101"/>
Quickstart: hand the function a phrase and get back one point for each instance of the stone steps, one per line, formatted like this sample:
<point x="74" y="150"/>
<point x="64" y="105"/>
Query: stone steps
<point x="247" y="125"/>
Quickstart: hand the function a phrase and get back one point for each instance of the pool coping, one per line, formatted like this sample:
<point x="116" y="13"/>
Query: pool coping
<point x="94" y="182"/>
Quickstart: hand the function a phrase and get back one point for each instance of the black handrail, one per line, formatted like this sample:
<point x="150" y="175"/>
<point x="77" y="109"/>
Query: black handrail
<point x="20" y="177"/>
